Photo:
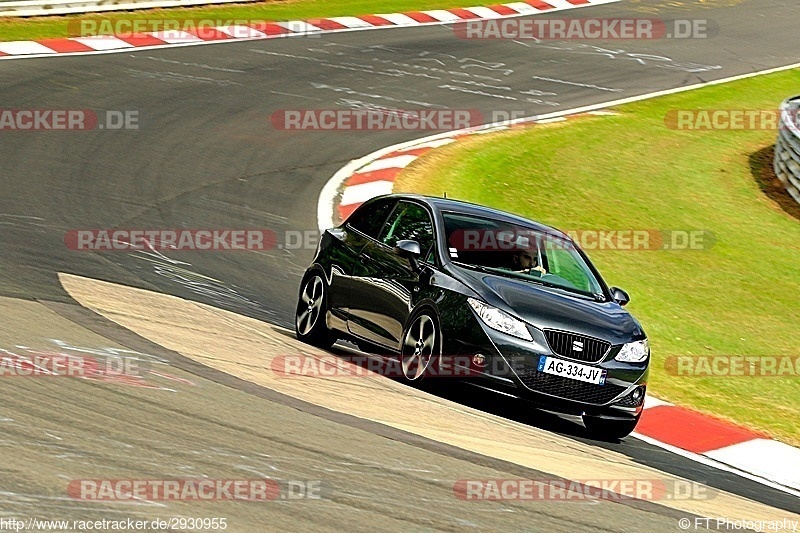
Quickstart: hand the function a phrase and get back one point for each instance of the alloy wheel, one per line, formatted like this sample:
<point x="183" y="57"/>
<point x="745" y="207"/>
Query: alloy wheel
<point x="310" y="305"/>
<point x="419" y="347"/>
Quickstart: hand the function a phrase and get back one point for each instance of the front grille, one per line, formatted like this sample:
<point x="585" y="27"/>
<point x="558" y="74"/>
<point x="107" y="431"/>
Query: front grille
<point x="576" y="347"/>
<point x="569" y="389"/>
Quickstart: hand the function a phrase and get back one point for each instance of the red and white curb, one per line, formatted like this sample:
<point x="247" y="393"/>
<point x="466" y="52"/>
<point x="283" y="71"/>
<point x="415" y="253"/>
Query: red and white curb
<point x="376" y="175"/>
<point x="720" y="443"/>
<point x="696" y="436"/>
<point x="292" y="28"/>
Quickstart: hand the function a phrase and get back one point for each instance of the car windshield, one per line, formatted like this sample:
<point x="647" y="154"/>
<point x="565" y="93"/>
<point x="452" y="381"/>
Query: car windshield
<point x="518" y="251"/>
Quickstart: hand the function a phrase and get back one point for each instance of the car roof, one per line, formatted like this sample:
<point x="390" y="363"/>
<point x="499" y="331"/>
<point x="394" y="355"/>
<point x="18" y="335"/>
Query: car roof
<point x="468" y="208"/>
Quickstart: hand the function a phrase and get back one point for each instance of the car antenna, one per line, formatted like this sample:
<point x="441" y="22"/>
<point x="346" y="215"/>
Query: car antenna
<point x="445" y="195"/>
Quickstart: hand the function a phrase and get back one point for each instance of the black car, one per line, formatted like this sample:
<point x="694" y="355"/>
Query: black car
<point x="511" y="302"/>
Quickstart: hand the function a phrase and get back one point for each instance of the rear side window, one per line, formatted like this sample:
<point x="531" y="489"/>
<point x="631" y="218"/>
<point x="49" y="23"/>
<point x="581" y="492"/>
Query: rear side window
<point x="369" y="218"/>
<point x="409" y="222"/>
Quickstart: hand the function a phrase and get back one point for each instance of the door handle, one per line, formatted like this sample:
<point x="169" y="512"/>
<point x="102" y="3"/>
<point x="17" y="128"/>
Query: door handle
<point x="364" y="258"/>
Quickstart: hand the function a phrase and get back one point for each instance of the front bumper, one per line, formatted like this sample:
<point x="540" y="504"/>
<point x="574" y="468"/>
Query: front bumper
<point x="510" y="366"/>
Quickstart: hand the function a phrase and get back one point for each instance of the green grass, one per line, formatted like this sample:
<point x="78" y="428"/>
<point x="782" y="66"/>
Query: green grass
<point x="19" y="29"/>
<point x="740" y="297"/>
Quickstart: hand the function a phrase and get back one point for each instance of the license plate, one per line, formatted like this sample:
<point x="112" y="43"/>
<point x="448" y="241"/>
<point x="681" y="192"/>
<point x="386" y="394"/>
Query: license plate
<point x="577" y="371"/>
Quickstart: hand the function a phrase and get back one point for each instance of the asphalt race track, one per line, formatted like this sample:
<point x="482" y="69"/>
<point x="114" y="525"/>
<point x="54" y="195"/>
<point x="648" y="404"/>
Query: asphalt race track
<point x="205" y="155"/>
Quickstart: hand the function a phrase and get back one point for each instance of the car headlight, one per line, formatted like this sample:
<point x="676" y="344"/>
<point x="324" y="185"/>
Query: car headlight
<point x="634" y="352"/>
<point x="500" y="320"/>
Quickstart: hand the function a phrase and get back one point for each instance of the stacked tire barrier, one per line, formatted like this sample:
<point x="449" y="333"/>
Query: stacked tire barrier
<point x="787" y="149"/>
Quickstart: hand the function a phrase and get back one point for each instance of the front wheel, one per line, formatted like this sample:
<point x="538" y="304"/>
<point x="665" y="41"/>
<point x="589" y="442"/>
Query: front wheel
<point x="421" y="346"/>
<point x="609" y="429"/>
<point x="312" y="305"/>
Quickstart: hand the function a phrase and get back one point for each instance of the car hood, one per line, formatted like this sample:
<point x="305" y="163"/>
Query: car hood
<point x="547" y="308"/>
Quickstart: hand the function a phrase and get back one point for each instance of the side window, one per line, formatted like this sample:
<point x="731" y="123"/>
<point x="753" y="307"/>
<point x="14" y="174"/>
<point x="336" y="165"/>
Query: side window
<point x="370" y="218"/>
<point x="412" y="222"/>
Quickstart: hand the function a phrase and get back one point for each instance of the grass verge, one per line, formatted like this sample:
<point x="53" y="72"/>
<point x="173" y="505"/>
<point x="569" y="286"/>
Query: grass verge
<point x="23" y="29"/>
<point x="631" y="171"/>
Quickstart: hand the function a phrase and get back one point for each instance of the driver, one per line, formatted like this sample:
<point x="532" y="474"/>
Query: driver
<point x="524" y="263"/>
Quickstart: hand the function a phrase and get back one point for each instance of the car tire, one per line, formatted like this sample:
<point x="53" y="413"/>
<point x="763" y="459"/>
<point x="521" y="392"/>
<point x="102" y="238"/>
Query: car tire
<point x="421" y="346"/>
<point x="312" y="305"/>
<point x="609" y="430"/>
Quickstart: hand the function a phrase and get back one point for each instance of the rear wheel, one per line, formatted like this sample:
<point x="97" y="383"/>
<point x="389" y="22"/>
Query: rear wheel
<point x="312" y="305"/>
<point x="609" y="429"/>
<point x="420" y="346"/>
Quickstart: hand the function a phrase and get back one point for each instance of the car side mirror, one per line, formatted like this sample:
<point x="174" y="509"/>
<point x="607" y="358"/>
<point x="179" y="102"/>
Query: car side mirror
<point x="409" y="250"/>
<point x="620" y="296"/>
